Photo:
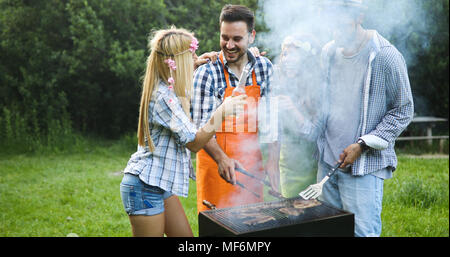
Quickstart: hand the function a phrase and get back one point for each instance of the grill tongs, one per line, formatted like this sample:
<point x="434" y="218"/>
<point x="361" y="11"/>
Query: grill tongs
<point x="262" y="181"/>
<point x="315" y="190"/>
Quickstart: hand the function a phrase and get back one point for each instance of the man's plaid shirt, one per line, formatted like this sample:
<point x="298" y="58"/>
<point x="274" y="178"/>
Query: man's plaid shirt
<point x="387" y="107"/>
<point x="210" y="84"/>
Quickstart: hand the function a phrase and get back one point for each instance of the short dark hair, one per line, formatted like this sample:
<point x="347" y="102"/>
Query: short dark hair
<point x="232" y="13"/>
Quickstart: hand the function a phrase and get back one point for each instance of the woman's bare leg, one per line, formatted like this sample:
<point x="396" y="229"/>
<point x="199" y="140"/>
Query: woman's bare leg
<point x="176" y="222"/>
<point x="147" y="226"/>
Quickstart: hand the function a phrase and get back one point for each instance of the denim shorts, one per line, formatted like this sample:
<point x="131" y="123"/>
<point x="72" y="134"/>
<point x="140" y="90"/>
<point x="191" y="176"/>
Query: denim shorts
<point x="139" y="198"/>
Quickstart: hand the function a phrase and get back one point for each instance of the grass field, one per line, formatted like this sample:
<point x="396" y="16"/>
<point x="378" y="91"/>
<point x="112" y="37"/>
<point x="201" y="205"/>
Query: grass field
<point x="54" y="195"/>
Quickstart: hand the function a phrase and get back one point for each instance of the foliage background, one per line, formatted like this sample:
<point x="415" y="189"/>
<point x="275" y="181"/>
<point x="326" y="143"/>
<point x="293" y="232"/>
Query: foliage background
<point x="72" y="68"/>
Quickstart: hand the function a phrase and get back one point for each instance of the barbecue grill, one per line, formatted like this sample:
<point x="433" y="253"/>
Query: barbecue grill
<point x="320" y="220"/>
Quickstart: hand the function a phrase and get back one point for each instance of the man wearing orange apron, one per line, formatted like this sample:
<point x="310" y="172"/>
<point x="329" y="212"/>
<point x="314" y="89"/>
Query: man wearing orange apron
<point x="237" y="144"/>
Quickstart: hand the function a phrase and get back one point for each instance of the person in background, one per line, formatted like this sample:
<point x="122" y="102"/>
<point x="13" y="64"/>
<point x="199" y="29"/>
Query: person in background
<point x="236" y="144"/>
<point x="297" y="84"/>
<point x="369" y="103"/>
<point x="160" y="169"/>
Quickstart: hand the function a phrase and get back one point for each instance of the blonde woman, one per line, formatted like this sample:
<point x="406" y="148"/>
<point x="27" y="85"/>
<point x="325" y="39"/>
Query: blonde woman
<point x="160" y="169"/>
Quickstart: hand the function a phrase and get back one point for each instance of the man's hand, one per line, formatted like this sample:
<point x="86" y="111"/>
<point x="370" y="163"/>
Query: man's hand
<point x="226" y="169"/>
<point x="272" y="166"/>
<point x="350" y="154"/>
<point x="204" y="58"/>
<point x="273" y="172"/>
<point x="226" y="165"/>
<point x="255" y="51"/>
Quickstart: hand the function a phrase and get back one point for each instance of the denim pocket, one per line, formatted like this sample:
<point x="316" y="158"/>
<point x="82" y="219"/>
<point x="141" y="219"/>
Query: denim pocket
<point x="152" y="197"/>
<point x="128" y="195"/>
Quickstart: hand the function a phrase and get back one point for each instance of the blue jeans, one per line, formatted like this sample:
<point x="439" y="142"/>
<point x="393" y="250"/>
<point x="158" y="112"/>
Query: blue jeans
<point x="361" y="195"/>
<point x="139" y="198"/>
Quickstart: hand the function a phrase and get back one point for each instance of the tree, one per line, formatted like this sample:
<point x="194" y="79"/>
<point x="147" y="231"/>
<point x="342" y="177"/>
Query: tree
<point x="77" y="64"/>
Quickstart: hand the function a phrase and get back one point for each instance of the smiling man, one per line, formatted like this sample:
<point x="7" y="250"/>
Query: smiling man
<point x="236" y="145"/>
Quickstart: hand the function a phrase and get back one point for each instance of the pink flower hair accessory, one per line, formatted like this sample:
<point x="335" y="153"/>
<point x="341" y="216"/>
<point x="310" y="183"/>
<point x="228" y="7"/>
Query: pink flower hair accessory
<point x="172" y="66"/>
<point x="171" y="82"/>
<point x="194" y="45"/>
<point x="171" y="63"/>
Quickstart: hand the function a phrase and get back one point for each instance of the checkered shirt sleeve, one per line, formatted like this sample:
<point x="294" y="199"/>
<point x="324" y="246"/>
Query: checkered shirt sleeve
<point x="169" y="114"/>
<point x="204" y="101"/>
<point x="399" y="97"/>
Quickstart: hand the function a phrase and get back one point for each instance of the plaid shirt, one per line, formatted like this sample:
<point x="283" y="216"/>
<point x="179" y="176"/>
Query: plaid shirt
<point x="210" y="84"/>
<point x="387" y="107"/>
<point x="169" y="166"/>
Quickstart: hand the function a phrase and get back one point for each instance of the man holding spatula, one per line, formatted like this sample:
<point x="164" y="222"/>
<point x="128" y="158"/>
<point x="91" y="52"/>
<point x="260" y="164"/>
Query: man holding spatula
<point x="369" y="104"/>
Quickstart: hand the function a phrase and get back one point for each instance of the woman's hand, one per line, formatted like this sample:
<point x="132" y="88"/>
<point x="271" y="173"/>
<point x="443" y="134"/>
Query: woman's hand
<point x="212" y="56"/>
<point x="204" y="58"/>
<point x="230" y="106"/>
<point x="233" y="105"/>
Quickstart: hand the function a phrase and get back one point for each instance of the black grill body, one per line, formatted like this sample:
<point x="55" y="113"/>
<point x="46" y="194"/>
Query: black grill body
<point x="321" y="220"/>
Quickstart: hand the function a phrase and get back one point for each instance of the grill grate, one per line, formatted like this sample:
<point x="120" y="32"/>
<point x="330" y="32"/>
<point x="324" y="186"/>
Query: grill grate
<point x="228" y="216"/>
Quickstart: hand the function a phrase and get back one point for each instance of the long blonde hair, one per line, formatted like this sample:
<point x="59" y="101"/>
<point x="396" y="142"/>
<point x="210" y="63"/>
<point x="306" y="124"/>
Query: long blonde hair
<point x="169" y="43"/>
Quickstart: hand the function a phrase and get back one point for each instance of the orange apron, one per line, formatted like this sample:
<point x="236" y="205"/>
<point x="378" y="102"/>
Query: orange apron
<point x="239" y="140"/>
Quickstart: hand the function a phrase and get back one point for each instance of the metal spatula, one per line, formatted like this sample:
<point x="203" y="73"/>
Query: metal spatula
<point x="315" y="190"/>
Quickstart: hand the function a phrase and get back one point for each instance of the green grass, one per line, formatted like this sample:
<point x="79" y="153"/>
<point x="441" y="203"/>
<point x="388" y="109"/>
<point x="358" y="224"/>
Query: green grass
<point x="53" y="195"/>
<point x="416" y="199"/>
<point x="57" y="194"/>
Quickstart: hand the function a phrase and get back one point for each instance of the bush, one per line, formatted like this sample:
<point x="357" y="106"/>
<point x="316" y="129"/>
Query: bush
<point x="20" y="135"/>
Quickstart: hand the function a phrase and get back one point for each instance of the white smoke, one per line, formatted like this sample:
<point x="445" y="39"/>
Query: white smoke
<point x="403" y="21"/>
